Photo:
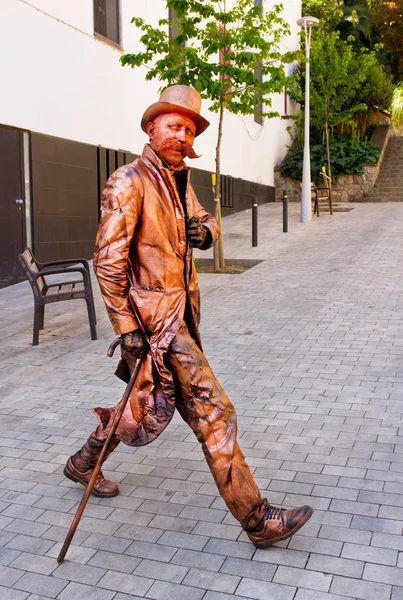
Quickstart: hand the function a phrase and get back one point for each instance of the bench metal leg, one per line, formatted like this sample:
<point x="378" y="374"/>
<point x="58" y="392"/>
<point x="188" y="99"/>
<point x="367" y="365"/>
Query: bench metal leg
<point x="91" y="318"/>
<point x="39" y="317"/>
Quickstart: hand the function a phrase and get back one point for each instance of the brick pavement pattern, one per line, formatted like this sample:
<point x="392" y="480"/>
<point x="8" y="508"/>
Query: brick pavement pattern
<point x="309" y="347"/>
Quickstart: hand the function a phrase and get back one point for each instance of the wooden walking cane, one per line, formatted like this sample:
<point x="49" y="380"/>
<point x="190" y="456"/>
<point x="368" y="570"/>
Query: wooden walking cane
<point x="98" y="466"/>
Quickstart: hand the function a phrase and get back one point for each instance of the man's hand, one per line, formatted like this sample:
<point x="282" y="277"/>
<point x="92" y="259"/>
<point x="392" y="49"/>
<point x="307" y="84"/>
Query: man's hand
<point x="134" y="343"/>
<point x="197" y="233"/>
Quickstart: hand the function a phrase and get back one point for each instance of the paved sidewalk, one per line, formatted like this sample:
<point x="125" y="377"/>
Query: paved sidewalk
<point x="309" y="346"/>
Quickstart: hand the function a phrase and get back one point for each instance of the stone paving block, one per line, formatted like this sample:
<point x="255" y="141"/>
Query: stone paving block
<point x="183" y="540"/>
<point x="8" y="576"/>
<point x="123" y="582"/>
<point x="315" y="595"/>
<point x="319" y="546"/>
<point x="105" y="542"/>
<point x="163" y="590"/>
<point x="202" y="560"/>
<point x="22" y="526"/>
<point x="262" y="590"/>
<point x="383" y="574"/>
<point x="79" y="573"/>
<point x="229" y="548"/>
<point x="58" y="534"/>
<point x="26" y="543"/>
<point x="161" y="508"/>
<point x="342" y="534"/>
<point x="370" y="554"/>
<point x="76" y="554"/>
<point x="210" y="515"/>
<point x="161" y="571"/>
<point x="222" y="596"/>
<point x="157" y="552"/>
<point x="78" y="591"/>
<point x="9" y="594"/>
<point x="114" y="561"/>
<point x="121" y="596"/>
<point x="35" y="563"/>
<point x="376" y="525"/>
<point x="7" y="556"/>
<point x="282" y="556"/>
<point x="245" y="568"/>
<point x="210" y="580"/>
<point x="303" y="578"/>
<point x="336" y="566"/>
<point x="384" y="540"/>
<point x="397" y="593"/>
<point x="40" y="584"/>
<point x="172" y="523"/>
<point x="138" y="532"/>
<point x="18" y="511"/>
<point x="356" y="588"/>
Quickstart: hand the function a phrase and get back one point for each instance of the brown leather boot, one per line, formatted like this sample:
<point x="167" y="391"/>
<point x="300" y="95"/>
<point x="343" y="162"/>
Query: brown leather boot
<point x="79" y="468"/>
<point x="278" y="524"/>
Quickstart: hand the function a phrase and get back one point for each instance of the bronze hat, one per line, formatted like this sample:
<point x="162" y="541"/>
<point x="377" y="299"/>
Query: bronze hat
<point x="177" y="98"/>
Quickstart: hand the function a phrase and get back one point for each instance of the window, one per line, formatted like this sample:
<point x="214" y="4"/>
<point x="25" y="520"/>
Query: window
<point x="107" y="20"/>
<point x="258" y="73"/>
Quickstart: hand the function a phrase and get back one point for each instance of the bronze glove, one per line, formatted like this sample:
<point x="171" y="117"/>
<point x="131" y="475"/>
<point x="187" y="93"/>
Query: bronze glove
<point x="134" y="343"/>
<point x="197" y="233"/>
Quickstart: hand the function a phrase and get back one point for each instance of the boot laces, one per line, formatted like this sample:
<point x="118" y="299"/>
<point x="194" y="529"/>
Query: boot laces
<point x="274" y="512"/>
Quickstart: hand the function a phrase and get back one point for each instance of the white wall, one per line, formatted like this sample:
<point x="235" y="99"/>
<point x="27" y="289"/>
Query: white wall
<point x="59" y="80"/>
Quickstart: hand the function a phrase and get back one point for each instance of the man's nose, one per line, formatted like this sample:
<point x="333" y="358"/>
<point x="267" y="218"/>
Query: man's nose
<point x="181" y="134"/>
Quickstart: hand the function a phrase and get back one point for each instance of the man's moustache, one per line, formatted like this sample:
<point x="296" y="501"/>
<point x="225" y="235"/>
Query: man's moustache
<point x="184" y="147"/>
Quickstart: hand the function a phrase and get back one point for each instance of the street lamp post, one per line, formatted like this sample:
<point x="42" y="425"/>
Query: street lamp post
<point x="306" y="203"/>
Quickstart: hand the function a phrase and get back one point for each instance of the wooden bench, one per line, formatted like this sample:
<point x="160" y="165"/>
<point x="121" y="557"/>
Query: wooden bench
<point x="46" y="292"/>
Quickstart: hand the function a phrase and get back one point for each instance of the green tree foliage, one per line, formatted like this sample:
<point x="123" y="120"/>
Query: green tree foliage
<point x="356" y="24"/>
<point x="327" y="11"/>
<point x="231" y="56"/>
<point x="377" y="88"/>
<point x="397" y="106"/>
<point x="387" y="20"/>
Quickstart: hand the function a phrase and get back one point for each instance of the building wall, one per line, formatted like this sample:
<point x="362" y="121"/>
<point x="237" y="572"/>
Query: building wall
<point x="82" y="109"/>
<point x="64" y="82"/>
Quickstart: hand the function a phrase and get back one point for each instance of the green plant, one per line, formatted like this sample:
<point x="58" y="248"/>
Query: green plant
<point x="346" y="158"/>
<point x="396" y="107"/>
<point x="232" y="56"/>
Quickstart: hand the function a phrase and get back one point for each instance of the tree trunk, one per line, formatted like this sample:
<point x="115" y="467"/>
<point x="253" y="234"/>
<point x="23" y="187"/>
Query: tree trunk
<point x="219" y="262"/>
<point x="329" y="168"/>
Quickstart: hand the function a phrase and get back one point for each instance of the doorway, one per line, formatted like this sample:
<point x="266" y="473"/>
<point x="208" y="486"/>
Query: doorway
<point x="12" y="205"/>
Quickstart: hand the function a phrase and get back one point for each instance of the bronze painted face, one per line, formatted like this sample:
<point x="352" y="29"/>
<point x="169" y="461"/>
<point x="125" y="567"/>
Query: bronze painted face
<point x="172" y="136"/>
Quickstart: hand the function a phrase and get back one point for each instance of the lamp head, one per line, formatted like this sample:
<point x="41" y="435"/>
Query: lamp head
<point x="307" y="22"/>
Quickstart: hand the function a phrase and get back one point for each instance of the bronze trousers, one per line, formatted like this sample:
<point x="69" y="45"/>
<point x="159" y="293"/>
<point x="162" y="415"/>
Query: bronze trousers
<point x="204" y="406"/>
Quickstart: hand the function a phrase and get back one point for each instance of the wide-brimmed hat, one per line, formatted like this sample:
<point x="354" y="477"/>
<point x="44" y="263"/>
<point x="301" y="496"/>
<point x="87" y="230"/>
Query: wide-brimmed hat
<point x="177" y="98"/>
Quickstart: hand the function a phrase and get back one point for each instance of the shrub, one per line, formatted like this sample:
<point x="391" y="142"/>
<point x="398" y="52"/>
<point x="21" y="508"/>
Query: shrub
<point x="346" y="158"/>
<point x="396" y="106"/>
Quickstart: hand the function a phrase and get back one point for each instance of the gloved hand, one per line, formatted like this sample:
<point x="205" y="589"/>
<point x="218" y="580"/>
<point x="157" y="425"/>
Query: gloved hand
<point x="134" y="343"/>
<point x="197" y="233"/>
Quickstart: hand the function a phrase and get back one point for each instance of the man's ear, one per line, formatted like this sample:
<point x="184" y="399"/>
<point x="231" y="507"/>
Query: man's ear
<point x="150" y="129"/>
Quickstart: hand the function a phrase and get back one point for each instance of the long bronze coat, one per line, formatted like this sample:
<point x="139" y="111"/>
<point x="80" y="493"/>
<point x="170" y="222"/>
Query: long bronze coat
<point x="147" y="277"/>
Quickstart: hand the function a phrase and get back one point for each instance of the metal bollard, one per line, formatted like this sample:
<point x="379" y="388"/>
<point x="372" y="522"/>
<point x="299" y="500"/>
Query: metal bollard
<point x="285" y="212"/>
<point x="254" y="222"/>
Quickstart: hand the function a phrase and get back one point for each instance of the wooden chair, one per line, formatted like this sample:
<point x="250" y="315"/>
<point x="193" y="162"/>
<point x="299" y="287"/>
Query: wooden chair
<point x="322" y="193"/>
<point x="46" y="292"/>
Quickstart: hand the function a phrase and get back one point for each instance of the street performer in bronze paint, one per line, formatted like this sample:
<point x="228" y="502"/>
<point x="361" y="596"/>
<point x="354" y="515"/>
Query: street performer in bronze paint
<point x="150" y="221"/>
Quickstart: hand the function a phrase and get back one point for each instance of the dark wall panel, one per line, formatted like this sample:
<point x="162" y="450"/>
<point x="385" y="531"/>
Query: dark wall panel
<point x="67" y="181"/>
<point x="65" y="197"/>
<point x="243" y="192"/>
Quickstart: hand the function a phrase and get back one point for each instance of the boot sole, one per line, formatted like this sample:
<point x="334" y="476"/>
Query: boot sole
<point x="74" y="478"/>
<point x="280" y="538"/>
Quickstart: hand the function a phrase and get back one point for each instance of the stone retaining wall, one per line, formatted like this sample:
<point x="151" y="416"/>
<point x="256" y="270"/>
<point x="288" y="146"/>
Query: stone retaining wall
<point x="347" y="188"/>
